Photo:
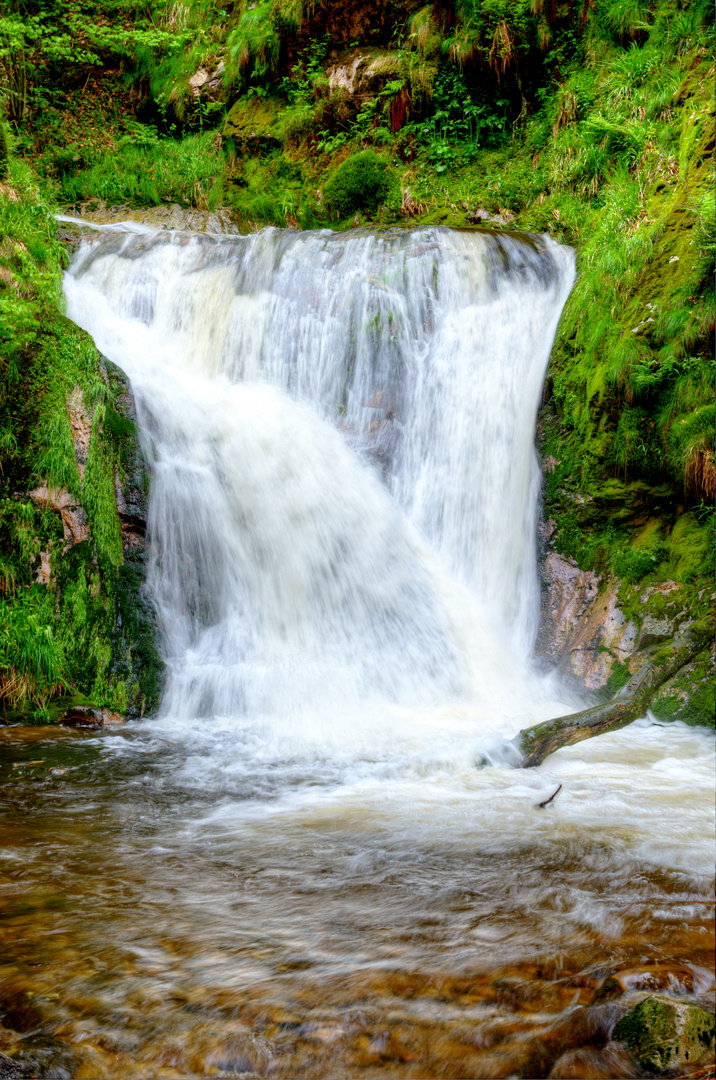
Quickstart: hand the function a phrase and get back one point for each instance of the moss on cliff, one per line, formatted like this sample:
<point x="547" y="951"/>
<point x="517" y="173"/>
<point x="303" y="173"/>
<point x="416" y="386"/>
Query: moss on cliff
<point x="64" y="579"/>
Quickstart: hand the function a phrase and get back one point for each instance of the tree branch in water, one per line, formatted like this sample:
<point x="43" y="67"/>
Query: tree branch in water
<point x="632" y="701"/>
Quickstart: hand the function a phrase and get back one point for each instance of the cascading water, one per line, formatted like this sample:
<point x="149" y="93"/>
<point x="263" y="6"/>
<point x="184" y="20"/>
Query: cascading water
<point x="345" y="484"/>
<point x="297" y="870"/>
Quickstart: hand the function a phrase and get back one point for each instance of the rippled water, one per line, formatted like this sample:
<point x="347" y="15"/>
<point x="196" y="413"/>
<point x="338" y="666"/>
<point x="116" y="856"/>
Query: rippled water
<point x="324" y="919"/>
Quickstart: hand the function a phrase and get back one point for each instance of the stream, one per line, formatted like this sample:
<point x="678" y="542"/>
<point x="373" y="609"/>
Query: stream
<point x="320" y="858"/>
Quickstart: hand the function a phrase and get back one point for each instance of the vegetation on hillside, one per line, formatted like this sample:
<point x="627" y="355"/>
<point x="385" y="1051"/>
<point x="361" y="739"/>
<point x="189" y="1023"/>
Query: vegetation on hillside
<point x="591" y="120"/>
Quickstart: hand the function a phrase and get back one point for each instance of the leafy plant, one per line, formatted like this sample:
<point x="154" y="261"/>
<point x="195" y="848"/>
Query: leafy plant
<point x="360" y="183"/>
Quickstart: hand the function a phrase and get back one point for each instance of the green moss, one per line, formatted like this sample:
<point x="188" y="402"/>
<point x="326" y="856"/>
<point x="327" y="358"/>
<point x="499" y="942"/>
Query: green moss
<point x="254" y="125"/>
<point x="98" y="497"/>
<point x="690" y="549"/>
<point x="689" y="699"/>
<point x="64" y="634"/>
<point x="657" y="1033"/>
<point x="618" y="677"/>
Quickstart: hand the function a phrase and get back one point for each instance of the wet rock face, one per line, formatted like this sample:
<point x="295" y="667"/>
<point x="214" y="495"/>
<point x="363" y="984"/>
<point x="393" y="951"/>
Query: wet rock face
<point x="135" y="654"/>
<point x="131" y="483"/>
<point x="582" y="630"/>
<point x="586" y="635"/>
<point x="74" y="518"/>
<point x="662" y="1033"/>
<point x="173" y="218"/>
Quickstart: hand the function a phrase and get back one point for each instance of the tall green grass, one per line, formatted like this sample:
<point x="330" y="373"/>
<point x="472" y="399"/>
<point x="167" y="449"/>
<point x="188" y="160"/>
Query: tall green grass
<point x="151" y="172"/>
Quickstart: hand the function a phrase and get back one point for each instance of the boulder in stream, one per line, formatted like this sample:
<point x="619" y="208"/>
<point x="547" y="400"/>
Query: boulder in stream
<point x="84" y="717"/>
<point x="663" y="1033"/>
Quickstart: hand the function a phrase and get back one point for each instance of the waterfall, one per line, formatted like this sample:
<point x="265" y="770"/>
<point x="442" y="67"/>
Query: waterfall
<point x="345" y="486"/>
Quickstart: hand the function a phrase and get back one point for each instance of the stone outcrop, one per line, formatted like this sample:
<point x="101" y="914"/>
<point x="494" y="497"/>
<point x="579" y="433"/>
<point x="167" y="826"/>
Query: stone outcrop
<point x="135" y="657"/>
<point x="362" y="73"/>
<point x="582" y="630"/>
<point x="173" y="217"/>
<point x="85" y="718"/>
<point x="207" y="84"/>
<point x="74" y="518"/>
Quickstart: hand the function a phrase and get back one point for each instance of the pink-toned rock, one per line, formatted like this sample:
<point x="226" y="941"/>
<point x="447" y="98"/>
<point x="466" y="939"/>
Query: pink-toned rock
<point x="42" y="577"/>
<point x="569" y="594"/>
<point x="582" y="629"/>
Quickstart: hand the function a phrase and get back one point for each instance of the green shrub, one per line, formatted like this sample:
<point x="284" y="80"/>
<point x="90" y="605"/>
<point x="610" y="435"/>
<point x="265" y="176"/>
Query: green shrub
<point x="360" y="183"/>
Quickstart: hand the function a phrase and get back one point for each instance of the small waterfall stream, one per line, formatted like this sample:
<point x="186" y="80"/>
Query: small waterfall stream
<point x="297" y="869"/>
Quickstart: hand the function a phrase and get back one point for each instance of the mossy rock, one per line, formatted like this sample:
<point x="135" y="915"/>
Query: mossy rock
<point x="689" y="696"/>
<point x="135" y="662"/>
<point x="662" y="1033"/>
<point x="254" y="126"/>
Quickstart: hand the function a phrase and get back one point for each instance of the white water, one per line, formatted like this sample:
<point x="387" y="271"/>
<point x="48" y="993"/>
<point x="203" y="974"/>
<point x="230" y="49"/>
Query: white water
<point x="343" y="520"/>
<point x="276" y="376"/>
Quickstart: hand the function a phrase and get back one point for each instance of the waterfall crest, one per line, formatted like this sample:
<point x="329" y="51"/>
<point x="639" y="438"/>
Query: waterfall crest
<point x="343" y="508"/>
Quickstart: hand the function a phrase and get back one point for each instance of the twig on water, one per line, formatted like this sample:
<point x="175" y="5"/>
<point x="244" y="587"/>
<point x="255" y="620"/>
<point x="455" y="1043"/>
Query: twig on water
<point x="541" y="805"/>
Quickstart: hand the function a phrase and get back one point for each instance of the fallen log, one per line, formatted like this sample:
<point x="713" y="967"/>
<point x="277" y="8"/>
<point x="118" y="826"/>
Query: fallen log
<point x="536" y="743"/>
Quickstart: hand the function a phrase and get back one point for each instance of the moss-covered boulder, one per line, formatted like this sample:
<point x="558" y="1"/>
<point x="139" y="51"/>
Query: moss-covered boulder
<point x="689" y="696"/>
<point x="662" y="1033"/>
<point x="254" y="126"/>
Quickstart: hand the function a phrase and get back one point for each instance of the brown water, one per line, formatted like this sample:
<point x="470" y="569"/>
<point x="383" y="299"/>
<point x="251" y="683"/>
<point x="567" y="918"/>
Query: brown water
<point x="165" y="916"/>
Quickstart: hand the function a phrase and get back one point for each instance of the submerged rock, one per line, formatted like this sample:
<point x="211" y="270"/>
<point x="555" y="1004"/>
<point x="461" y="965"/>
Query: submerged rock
<point x="10" y="1069"/>
<point x="662" y="1033"/>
